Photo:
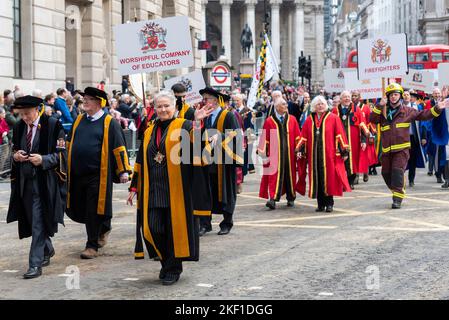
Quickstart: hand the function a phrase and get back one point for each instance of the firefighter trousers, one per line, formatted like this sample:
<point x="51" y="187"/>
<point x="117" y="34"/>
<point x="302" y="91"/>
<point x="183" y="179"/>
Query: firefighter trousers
<point x="393" y="168"/>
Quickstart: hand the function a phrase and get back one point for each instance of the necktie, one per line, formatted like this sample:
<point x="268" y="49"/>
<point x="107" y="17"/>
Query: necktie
<point x="29" y="137"/>
<point x="282" y="119"/>
<point x="209" y="122"/>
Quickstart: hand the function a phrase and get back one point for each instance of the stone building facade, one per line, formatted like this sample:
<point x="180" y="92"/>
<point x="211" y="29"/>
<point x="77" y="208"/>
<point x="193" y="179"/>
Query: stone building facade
<point x="45" y="42"/>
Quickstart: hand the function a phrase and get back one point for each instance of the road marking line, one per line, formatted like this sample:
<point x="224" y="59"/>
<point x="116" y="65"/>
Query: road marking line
<point x="131" y="279"/>
<point x="283" y="226"/>
<point x="404" y="229"/>
<point x="255" y="288"/>
<point x="327" y="294"/>
<point x="300" y="203"/>
<point x="205" y="285"/>
<point x="437" y="226"/>
<point x="65" y="275"/>
<point x="11" y="271"/>
<point x="408" y="196"/>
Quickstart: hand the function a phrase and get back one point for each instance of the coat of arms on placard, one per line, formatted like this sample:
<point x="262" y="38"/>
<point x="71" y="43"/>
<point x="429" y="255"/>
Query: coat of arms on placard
<point x="187" y="83"/>
<point x="380" y="52"/>
<point x="341" y="75"/>
<point x="152" y="37"/>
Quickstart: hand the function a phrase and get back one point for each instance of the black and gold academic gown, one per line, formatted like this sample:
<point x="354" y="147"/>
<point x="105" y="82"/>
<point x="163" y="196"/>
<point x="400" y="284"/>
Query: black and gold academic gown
<point x="186" y="112"/>
<point x="51" y="176"/>
<point x="114" y="162"/>
<point x="230" y="156"/>
<point x="189" y="198"/>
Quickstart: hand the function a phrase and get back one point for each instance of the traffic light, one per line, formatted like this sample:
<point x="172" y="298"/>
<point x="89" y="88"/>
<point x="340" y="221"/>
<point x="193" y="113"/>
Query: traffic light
<point x="308" y="69"/>
<point x="302" y="64"/>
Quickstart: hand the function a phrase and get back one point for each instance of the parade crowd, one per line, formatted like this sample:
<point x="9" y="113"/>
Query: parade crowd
<point x="68" y="149"/>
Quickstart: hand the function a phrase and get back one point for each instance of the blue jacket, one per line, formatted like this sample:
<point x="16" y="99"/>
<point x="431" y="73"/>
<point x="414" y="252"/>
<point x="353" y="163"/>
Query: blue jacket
<point x="66" y="119"/>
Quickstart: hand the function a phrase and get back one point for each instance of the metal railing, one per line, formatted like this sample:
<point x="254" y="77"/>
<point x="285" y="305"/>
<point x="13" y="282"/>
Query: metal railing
<point x="5" y="158"/>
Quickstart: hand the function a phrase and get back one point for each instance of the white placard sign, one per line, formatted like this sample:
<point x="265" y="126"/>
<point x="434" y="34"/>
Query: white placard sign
<point x="443" y="74"/>
<point x="193" y="82"/>
<point x="153" y="45"/>
<point x="422" y="80"/>
<point x="382" y="57"/>
<point x="369" y="89"/>
<point x="334" y="79"/>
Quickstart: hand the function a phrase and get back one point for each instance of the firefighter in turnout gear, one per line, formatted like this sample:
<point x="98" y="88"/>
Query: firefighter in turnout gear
<point x="394" y="119"/>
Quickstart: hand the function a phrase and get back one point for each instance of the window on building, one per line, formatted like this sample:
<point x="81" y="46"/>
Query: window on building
<point x="411" y="57"/>
<point x="446" y="56"/>
<point x="354" y="59"/>
<point x="422" y="57"/>
<point x="17" y="39"/>
<point x="437" y="56"/>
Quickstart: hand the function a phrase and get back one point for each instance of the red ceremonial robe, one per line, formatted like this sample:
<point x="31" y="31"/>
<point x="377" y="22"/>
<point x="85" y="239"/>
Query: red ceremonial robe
<point x="355" y="126"/>
<point x="333" y="142"/>
<point x="271" y="186"/>
<point x="370" y="156"/>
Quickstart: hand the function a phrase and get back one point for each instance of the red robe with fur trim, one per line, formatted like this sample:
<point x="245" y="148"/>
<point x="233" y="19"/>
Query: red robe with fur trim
<point x="332" y="143"/>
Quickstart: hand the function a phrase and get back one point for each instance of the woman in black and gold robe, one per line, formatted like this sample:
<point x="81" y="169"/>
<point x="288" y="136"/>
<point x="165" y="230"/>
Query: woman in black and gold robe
<point x="171" y="191"/>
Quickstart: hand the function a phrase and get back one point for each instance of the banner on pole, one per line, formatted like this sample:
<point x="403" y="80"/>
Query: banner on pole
<point x="155" y="45"/>
<point x="382" y="57"/>
<point x="443" y="74"/>
<point x="193" y="82"/>
<point x="334" y="79"/>
<point x="369" y="89"/>
<point x="422" y="80"/>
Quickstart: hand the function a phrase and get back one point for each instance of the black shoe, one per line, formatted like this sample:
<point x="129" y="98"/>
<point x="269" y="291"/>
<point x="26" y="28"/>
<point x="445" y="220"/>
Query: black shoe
<point x="271" y="204"/>
<point x="445" y="185"/>
<point x="429" y="174"/>
<point x="156" y="258"/>
<point x="33" y="272"/>
<point x="203" y="231"/>
<point x="365" y="178"/>
<point x="320" y="209"/>
<point x="396" y="204"/>
<point x="170" y="278"/>
<point x="352" y="187"/>
<point x="46" y="261"/>
<point x="439" y="180"/>
<point x="411" y="184"/>
<point x="329" y="208"/>
<point x="223" y="231"/>
<point x="291" y="204"/>
<point x="374" y="172"/>
<point x="162" y="274"/>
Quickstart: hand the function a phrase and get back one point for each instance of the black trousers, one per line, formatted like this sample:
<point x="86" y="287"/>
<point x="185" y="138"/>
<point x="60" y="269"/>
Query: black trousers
<point x="351" y="178"/>
<point x="322" y="199"/>
<point x="40" y="243"/>
<point x="96" y="225"/>
<point x="206" y="222"/>
<point x="415" y="149"/>
<point x="160" y="228"/>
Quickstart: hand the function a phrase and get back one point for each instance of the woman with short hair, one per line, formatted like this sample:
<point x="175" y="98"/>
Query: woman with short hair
<point x="323" y="148"/>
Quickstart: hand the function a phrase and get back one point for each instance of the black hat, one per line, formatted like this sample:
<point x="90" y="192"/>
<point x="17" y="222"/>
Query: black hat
<point x="415" y="94"/>
<point x="97" y="93"/>
<point x="226" y="97"/>
<point x="210" y="91"/>
<point x="27" y="102"/>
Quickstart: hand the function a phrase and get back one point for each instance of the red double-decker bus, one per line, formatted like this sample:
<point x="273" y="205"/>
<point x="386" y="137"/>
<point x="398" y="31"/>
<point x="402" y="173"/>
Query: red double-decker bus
<point x="419" y="57"/>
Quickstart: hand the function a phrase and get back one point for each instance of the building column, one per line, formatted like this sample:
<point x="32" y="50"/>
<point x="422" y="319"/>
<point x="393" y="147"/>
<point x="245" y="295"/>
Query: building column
<point x="250" y="19"/>
<point x="275" y="30"/>
<point x="319" y="44"/>
<point x="226" y="27"/>
<point x="92" y="40"/>
<point x="299" y="27"/>
<point x="203" y="30"/>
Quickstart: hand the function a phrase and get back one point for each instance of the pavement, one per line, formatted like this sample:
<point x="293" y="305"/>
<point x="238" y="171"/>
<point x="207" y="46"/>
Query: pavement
<point x="363" y="250"/>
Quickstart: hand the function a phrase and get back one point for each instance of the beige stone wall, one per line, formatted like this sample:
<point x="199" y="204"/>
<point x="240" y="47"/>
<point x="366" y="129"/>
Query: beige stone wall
<point x="55" y="50"/>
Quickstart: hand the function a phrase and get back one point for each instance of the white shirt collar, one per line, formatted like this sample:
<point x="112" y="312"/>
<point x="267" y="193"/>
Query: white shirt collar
<point x="97" y="116"/>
